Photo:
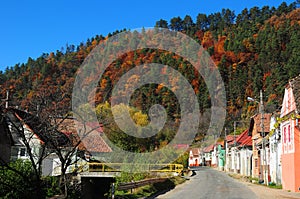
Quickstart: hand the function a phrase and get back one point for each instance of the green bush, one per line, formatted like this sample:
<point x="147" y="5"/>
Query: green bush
<point x="18" y="180"/>
<point x="51" y="186"/>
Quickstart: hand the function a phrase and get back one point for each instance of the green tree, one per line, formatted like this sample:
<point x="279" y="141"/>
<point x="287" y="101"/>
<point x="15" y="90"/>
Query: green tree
<point x="188" y="22"/>
<point x="202" y="22"/>
<point x="18" y="180"/>
<point x="176" y="23"/>
<point x="161" y="24"/>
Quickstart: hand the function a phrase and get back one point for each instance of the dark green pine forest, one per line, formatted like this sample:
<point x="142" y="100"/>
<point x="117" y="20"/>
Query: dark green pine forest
<point x="256" y="49"/>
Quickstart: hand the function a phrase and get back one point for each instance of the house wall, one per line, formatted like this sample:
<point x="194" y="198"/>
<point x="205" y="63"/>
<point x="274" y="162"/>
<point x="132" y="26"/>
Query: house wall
<point x="288" y="177"/>
<point x="297" y="158"/>
<point x="214" y="157"/>
<point x="256" y="163"/>
<point x="208" y="158"/>
<point x="232" y="160"/>
<point x="290" y="156"/>
<point x="275" y="158"/>
<point x="228" y="158"/>
<point x="235" y="160"/>
<point x="265" y="163"/>
<point x="194" y="160"/>
<point x="19" y="149"/>
<point x="256" y="170"/>
<point x="245" y="161"/>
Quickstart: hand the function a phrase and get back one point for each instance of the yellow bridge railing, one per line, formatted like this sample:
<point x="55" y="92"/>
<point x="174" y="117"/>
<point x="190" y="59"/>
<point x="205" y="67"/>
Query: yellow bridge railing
<point x="117" y="167"/>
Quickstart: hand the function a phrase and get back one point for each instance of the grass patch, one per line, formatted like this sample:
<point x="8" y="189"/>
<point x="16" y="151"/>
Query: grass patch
<point x="150" y="190"/>
<point x="275" y="186"/>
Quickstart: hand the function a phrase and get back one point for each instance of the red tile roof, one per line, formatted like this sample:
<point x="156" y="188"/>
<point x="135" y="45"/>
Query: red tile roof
<point x="208" y="149"/>
<point x="256" y="120"/>
<point x="230" y="139"/>
<point x="182" y="146"/>
<point x="195" y="152"/>
<point x="92" y="142"/>
<point x="244" y="139"/>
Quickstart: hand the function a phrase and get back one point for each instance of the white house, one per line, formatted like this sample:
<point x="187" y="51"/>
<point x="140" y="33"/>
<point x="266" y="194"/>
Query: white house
<point x="239" y="153"/>
<point x="229" y="143"/>
<point x="195" y="158"/>
<point x="244" y="155"/>
<point x="208" y="155"/>
<point x="21" y="135"/>
<point x="275" y="152"/>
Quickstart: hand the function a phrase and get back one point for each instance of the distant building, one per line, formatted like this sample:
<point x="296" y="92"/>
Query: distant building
<point x="195" y="158"/>
<point x="209" y="155"/>
<point x="229" y="143"/>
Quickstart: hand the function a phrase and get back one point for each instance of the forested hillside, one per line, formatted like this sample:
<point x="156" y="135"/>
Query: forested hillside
<point x="256" y="49"/>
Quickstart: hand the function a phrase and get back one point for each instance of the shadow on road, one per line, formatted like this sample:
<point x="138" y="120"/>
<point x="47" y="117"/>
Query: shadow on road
<point x="162" y="188"/>
<point x="168" y="185"/>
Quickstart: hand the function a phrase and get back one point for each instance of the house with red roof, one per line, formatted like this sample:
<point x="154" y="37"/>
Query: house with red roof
<point x="259" y="129"/>
<point x="290" y="136"/>
<point x="66" y="137"/>
<point x="211" y="154"/>
<point x="229" y="142"/>
<point x="195" y="159"/>
<point x="239" y="153"/>
<point x="208" y="153"/>
<point x="88" y="141"/>
<point x="244" y="153"/>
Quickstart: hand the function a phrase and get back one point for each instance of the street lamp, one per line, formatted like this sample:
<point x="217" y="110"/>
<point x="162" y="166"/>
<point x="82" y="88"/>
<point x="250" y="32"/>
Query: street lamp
<point x="261" y="110"/>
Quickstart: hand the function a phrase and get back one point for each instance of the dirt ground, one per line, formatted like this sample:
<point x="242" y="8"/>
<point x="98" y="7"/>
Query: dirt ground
<point x="265" y="192"/>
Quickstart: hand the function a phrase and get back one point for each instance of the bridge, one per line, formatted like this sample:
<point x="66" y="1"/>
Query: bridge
<point x="113" y="169"/>
<point x="94" y="175"/>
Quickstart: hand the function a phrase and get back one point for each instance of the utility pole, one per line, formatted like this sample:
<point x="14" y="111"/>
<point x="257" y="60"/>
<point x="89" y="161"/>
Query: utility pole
<point x="265" y="167"/>
<point x="262" y="125"/>
<point x="235" y="151"/>
<point x="226" y="152"/>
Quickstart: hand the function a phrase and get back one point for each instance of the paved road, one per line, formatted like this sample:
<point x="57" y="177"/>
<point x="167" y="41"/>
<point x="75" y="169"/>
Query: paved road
<point x="210" y="184"/>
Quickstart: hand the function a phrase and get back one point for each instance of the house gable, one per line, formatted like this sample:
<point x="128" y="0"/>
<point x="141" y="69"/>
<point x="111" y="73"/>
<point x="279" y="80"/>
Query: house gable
<point x="288" y="104"/>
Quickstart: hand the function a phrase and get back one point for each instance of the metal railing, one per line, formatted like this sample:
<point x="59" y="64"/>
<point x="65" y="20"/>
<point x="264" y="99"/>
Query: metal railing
<point x="118" y="167"/>
<point x="133" y="185"/>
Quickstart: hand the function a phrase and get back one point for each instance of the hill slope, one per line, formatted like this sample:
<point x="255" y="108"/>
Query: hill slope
<point x="257" y="49"/>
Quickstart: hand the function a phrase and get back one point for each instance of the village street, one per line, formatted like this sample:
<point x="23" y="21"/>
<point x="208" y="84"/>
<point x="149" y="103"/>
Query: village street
<point x="212" y="184"/>
<point x="209" y="183"/>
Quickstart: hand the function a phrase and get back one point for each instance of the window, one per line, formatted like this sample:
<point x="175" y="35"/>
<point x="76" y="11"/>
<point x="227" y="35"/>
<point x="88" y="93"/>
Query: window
<point x="289" y="133"/>
<point x="284" y="135"/>
<point x="23" y="152"/>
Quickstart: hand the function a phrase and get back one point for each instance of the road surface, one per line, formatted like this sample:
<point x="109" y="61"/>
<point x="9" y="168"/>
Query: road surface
<point x="210" y="184"/>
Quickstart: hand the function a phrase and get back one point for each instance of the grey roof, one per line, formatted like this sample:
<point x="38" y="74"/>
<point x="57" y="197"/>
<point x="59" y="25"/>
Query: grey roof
<point x="295" y="85"/>
<point x="42" y="129"/>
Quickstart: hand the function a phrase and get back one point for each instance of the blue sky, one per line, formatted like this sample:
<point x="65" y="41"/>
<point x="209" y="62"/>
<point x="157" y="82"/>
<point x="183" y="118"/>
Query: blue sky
<point x="30" y="28"/>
